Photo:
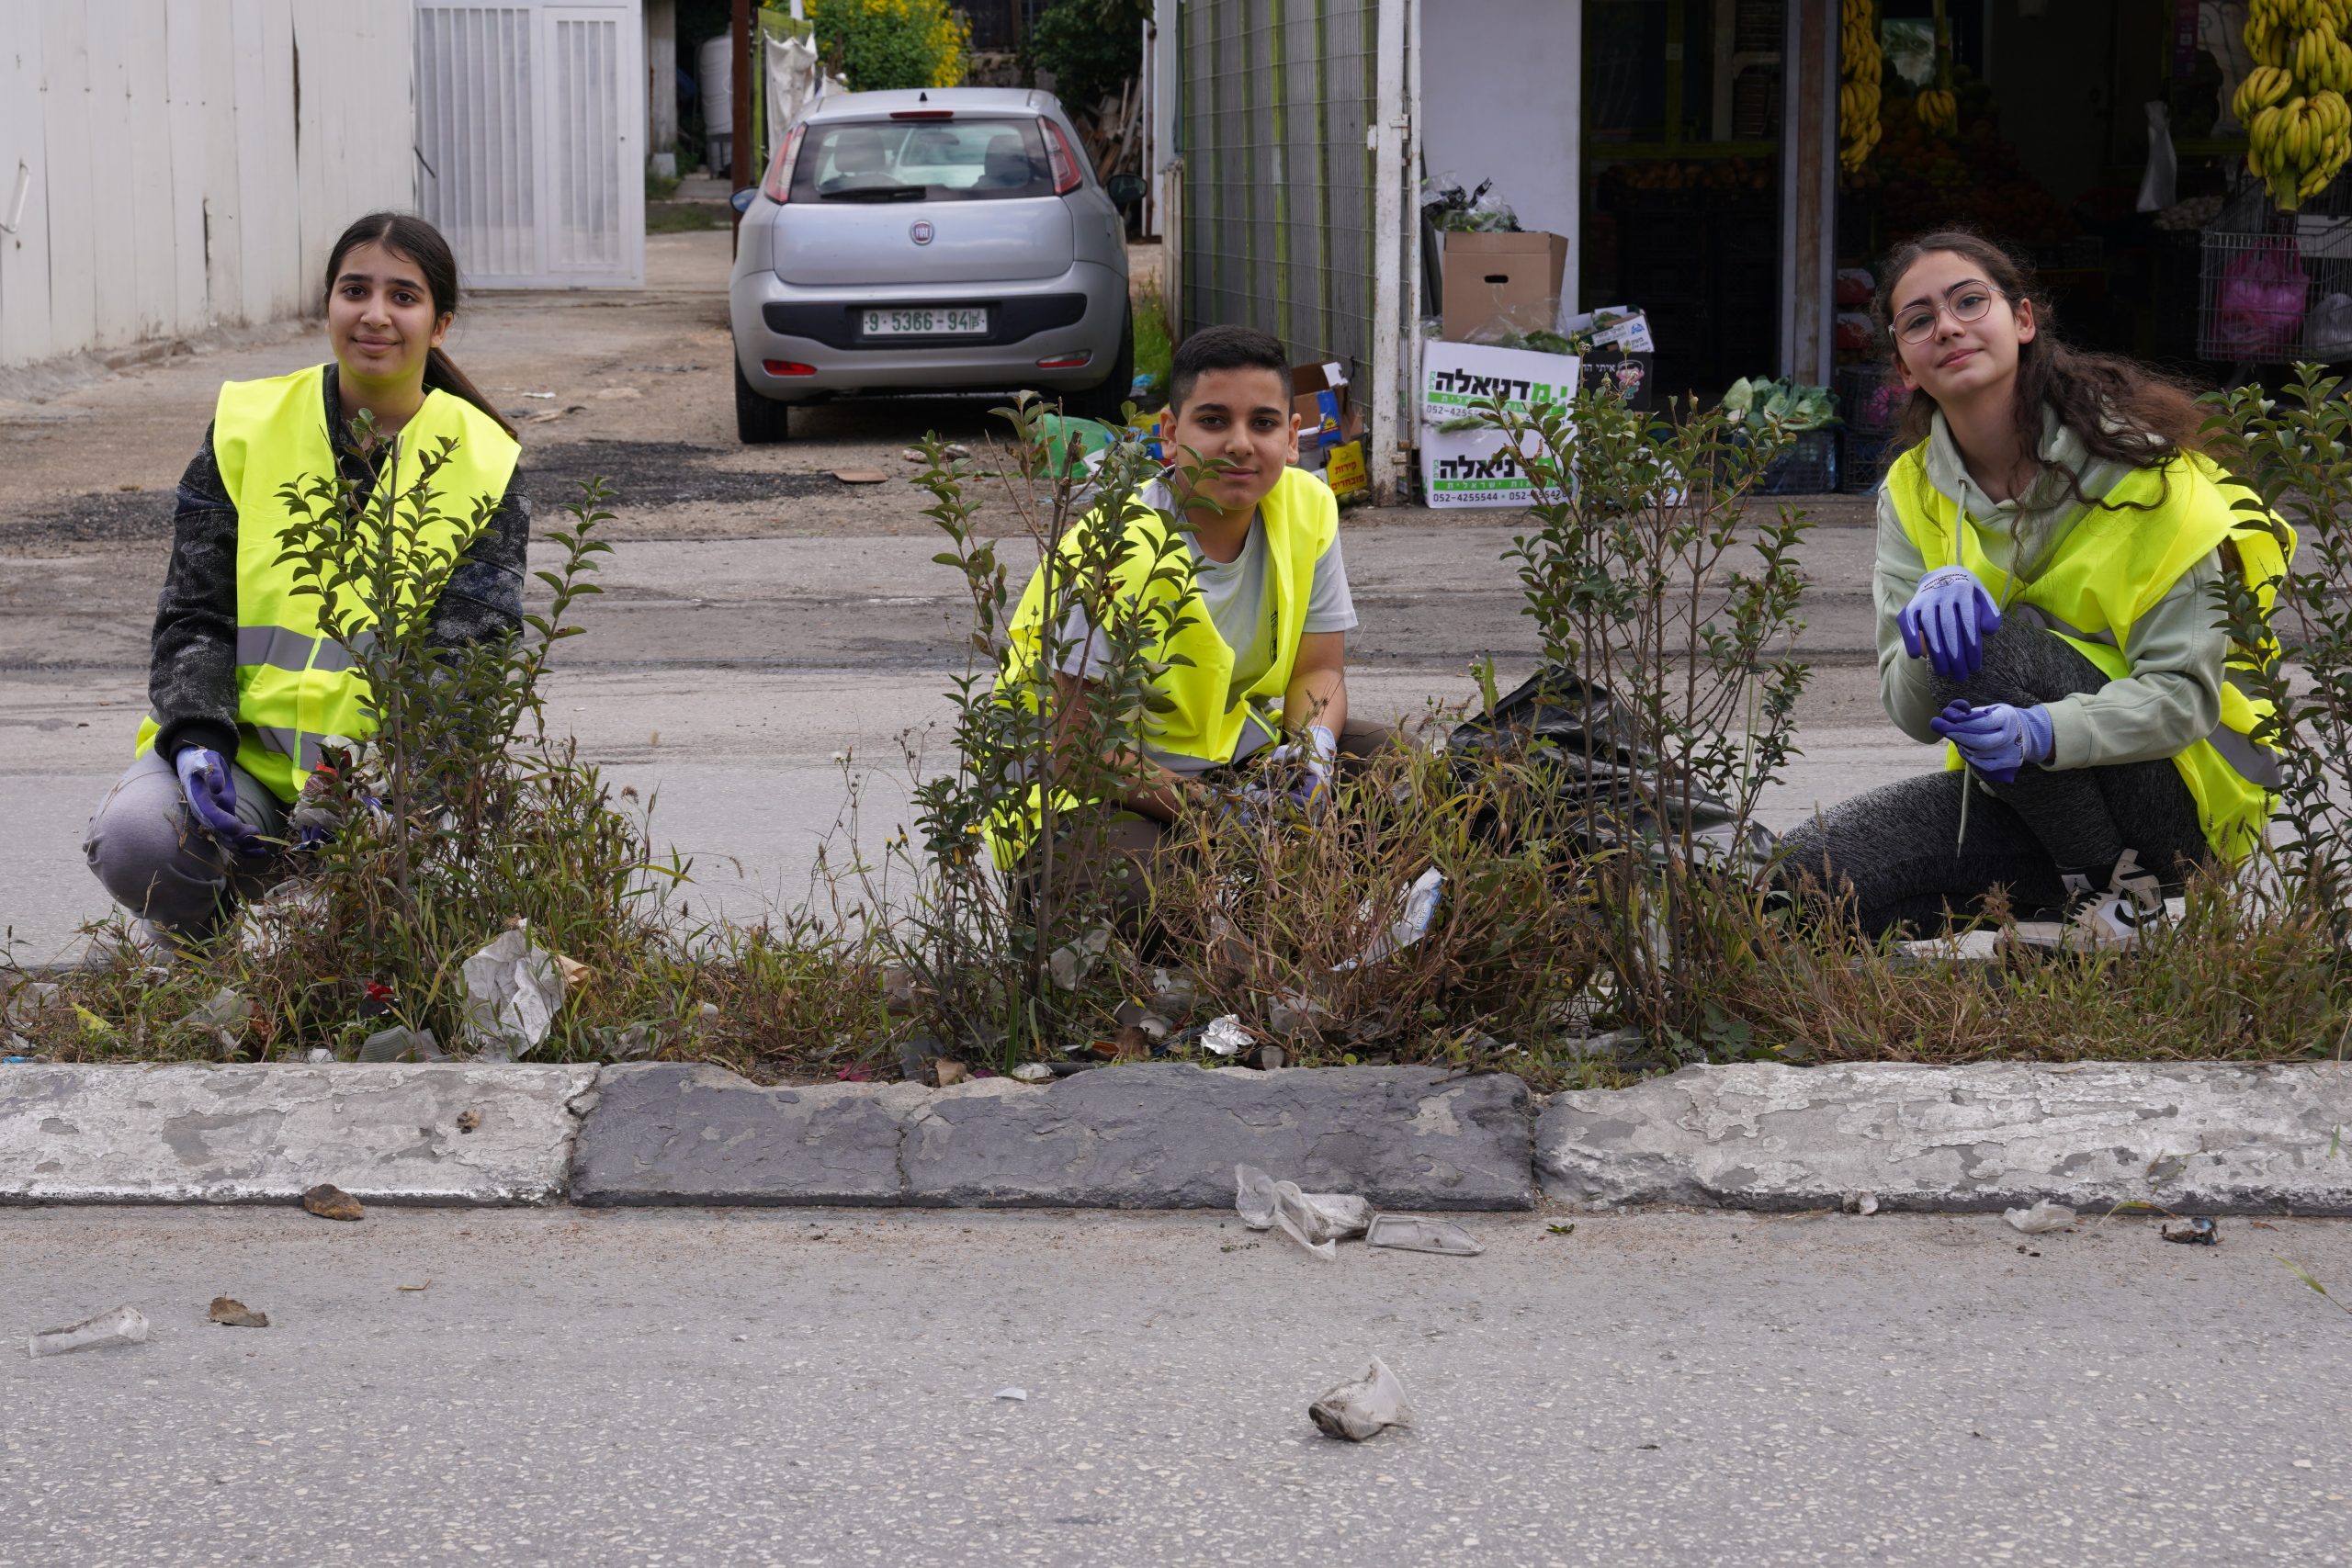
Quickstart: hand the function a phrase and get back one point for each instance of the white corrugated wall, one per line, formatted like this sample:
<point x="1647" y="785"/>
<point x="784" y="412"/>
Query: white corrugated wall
<point x="187" y="162"/>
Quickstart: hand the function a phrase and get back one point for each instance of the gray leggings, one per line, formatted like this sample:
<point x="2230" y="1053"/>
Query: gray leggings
<point x="144" y="846"/>
<point x="1899" y="849"/>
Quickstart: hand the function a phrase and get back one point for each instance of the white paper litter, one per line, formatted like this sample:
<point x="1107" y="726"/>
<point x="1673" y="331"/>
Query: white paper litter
<point x="2042" y="1219"/>
<point x="512" y="991"/>
<point x="1225" y="1036"/>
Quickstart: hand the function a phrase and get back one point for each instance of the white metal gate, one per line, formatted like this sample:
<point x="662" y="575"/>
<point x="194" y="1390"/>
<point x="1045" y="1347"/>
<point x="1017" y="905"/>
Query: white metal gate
<point x="528" y="125"/>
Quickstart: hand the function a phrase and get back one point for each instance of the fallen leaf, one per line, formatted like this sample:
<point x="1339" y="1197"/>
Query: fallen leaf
<point x="860" y="476"/>
<point x="332" y="1203"/>
<point x="231" y="1312"/>
<point x="575" y="972"/>
<point x="946" y="1070"/>
<point x="426" y="1286"/>
<point x="468" y="1119"/>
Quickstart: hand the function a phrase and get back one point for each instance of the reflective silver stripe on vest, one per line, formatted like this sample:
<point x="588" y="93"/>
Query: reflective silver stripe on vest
<point x="2255" y="762"/>
<point x="279" y="648"/>
<point x="300" y="745"/>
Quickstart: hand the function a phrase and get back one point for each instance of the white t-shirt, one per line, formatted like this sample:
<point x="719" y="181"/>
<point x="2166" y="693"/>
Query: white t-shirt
<point x="1238" y="604"/>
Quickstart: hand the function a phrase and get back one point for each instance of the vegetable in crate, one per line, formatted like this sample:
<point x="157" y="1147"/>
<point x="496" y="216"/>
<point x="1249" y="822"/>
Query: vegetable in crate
<point x="1792" y="405"/>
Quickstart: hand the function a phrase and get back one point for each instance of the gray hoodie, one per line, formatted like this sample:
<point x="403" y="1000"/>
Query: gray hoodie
<point x="2171" y="700"/>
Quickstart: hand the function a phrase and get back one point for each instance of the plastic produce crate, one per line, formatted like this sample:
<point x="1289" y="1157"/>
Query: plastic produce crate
<point x="1863" y="462"/>
<point x="1808" y="466"/>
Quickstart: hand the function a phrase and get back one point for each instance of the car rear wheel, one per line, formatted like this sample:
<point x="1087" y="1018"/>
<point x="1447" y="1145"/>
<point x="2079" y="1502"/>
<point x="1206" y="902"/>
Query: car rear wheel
<point x="759" y="422"/>
<point x="1107" y="402"/>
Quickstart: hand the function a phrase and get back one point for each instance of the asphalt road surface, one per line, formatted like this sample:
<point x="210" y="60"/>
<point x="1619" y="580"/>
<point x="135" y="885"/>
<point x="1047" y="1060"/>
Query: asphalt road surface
<point x="799" y="1387"/>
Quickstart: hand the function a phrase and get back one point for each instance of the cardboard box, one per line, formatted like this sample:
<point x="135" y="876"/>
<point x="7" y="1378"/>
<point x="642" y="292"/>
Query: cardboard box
<point x="1474" y="467"/>
<point x="1513" y="277"/>
<point x="1326" y="418"/>
<point x="1457" y="377"/>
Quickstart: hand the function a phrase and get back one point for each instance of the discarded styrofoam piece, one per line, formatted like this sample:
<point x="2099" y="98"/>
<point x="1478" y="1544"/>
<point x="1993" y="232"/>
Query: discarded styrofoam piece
<point x="1412" y="1233"/>
<point x="123" y="1325"/>
<point x="1415" y="911"/>
<point x="2043" y="1217"/>
<point x="1226" y="1035"/>
<point x="512" y="990"/>
<point x="1034" y="1072"/>
<point x="1356" y="1411"/>
<point x="1316" y="1221"/>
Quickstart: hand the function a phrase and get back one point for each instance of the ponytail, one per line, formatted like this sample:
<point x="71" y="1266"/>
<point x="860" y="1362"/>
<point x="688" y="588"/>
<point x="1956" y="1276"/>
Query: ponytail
<point x="406" y="235"/>
<point x="441" y="374"/>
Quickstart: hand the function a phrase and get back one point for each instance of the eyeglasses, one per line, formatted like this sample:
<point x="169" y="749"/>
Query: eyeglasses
<point x="1966" y="301"/>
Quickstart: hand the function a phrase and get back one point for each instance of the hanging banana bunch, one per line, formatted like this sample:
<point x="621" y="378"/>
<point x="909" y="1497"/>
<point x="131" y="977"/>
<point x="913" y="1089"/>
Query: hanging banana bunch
<point x="1937" y="107"/>
<point x="1858" y="61"/>
<point x="2298" y="123"/>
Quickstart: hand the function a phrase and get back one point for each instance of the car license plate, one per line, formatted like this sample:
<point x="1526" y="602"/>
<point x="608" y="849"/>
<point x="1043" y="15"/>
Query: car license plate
<point x="934" y="321"/>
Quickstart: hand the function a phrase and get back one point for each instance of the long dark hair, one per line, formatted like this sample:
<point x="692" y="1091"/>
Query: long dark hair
<point x="413" y="240"/>
<point x="2121" y="409"/>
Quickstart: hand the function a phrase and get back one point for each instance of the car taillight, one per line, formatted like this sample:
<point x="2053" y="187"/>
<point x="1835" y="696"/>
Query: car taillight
<point x="1065" y="161"/>
<point x="779" y="186"/>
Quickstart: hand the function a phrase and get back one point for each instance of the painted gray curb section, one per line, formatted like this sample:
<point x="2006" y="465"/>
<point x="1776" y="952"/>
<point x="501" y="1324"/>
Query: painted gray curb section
<point x="2205" y="1138"/>
<point x="192" y="1133"/>
<point x="1146" y="1137"/>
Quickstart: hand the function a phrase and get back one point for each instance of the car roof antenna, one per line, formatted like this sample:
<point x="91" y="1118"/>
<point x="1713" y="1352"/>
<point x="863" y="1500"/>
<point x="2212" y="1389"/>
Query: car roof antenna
<point x="922" y="97"/>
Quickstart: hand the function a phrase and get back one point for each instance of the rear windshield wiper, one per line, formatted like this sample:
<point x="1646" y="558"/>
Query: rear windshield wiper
<point x="876" y="193"/>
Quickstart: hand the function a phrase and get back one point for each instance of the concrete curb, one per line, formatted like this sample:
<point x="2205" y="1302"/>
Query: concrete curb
<point x="2208" y="1138"/>
<point x="1157" y="1136"/>
<point x="2214" y="1139"/>
<point x="185" y="1133"/>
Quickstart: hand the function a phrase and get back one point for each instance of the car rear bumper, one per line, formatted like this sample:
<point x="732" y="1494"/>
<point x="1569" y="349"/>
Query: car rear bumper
<point x="1082" y="312"/>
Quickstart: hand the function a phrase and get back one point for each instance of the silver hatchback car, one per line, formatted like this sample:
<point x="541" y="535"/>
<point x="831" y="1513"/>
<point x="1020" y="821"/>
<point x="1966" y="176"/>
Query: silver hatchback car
<point x="937" y="241"/>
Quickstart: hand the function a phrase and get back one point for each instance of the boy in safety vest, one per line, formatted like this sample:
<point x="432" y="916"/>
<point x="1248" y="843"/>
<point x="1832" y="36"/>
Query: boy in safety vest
<point x="1263" y="661"/>
<point x="2049" y="552"/>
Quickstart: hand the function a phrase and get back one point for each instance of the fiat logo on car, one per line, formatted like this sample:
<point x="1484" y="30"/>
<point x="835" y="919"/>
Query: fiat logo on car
<point x="920" y="233"/>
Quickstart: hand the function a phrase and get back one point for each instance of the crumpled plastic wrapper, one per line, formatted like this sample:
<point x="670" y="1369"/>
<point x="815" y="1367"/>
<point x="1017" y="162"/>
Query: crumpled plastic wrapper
<point x="1225" y="1036"/>
<point x="1415" y="1233"/>
<point x="1356" y="1411"/>
<point x="513" y="993"/>
<point x="1415" y="909"/>
<point x="1316" y="1221"/>
<point x="2042" y="1219"/>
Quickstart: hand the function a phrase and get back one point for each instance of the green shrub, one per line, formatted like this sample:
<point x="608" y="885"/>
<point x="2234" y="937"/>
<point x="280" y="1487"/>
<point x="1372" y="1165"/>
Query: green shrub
<point x="1089" y="56"/>
<point x="880" y="46"/>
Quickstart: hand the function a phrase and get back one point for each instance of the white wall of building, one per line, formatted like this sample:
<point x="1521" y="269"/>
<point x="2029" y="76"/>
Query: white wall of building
<point x="1501" y="96"/>
<point x="187" y="164"/>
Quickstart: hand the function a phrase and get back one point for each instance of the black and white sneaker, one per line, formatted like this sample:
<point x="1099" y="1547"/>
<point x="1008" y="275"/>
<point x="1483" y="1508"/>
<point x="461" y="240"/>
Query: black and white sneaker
<point x="2133" y="900"/>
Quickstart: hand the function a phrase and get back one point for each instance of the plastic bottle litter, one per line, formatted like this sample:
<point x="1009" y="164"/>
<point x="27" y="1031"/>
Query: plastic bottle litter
<point x="1355" y="1411"/>
<point x="2043" y="1218"/>
<point x="123" y="1325"/>
<point x="1225" y="1036"/>
<point x="1411" y="1233"/>
<point x="223" y="1015"/>
<point x="1416" y="908"/>
<point x="400" y="1043"/>
<point x="1316" y="1221"/>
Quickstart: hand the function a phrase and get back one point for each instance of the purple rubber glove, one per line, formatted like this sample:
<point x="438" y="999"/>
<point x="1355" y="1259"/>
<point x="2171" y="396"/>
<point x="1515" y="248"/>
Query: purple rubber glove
<point x="1948" y="620"/>
<point x="1311" y="757"/>
<point x="213" y="797"/>
<point x="1997" y="740"/>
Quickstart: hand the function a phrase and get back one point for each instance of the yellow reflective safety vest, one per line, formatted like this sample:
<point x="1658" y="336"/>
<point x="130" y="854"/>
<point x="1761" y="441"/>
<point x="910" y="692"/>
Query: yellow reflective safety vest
<point x="294" y="688"/>
<point x="2120" y="560"/>
<point x="1205" y="716"/>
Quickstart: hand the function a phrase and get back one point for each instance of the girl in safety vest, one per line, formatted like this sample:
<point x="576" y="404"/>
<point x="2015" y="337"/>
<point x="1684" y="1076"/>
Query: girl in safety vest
<point x="2049" y="548"/>
<point x="241" y="690"/>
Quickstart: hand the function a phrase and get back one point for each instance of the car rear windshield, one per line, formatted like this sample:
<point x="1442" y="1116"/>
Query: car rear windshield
<point x="961" y="159"/>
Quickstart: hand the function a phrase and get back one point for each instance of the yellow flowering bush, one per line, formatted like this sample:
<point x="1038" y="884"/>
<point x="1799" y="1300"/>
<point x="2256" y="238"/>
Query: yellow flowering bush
<point x="877" y="46"/>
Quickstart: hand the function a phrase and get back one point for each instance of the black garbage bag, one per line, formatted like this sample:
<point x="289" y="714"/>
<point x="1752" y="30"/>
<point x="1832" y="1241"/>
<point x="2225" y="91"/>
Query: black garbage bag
<point x="1586" y="777"/>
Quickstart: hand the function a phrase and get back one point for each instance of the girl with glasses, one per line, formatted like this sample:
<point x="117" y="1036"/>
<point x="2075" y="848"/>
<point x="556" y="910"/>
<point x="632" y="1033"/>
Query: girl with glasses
<point x="2048" y="549"/>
